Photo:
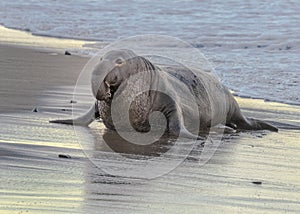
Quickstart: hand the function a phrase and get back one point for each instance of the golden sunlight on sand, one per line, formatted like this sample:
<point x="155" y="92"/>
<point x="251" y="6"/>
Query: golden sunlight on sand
<point x="11" y="36"/>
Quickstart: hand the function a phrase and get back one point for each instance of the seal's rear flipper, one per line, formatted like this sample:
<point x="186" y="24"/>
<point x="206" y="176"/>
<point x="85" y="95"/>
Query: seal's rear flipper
<point x="83" y="120"/>
<point x="263" y="125"/>
<point x="255" y="124"/>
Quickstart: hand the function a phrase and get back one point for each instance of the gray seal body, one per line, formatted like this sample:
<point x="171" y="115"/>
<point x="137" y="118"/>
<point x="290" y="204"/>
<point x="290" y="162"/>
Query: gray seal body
<point x="125" y="72"/>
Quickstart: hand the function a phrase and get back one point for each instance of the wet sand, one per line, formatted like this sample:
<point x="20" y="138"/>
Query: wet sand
<point x="253" y="172"/>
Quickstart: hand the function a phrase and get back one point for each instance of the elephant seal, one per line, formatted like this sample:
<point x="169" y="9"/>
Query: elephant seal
<point x="214" y="102"/>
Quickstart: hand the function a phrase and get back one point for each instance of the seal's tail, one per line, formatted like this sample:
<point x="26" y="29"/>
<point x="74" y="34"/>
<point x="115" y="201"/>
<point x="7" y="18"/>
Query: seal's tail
<point x="255" y="124"/>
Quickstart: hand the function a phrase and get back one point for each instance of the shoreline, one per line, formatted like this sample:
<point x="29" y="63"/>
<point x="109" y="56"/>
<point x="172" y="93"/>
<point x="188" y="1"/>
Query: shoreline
<point x="292" y="103"/>
<point x="78" y="47"/>
<point x="50" y="36"/>
<point x="25" y="39"/>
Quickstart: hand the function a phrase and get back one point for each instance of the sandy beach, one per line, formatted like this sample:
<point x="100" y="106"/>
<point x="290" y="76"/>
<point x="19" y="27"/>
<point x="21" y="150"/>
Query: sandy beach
<point x="251" y="172"/>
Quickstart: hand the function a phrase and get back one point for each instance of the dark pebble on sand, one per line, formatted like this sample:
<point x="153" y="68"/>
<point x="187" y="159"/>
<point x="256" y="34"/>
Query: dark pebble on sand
<point x="64" y="156"/>
<point x="67" y="53"/>
<point x="288" y="47"/>
<point x="261" y="46"/>
<point x="199" y="46"/>
<point x="257" y="182"/>
<point x="246" y="47"/>
<point x="35" y="109"/>
<point x="66" y="109"/>
<point x="73" y="101"/>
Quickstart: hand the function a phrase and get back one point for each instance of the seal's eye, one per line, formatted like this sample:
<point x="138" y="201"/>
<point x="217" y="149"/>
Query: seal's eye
<point x="119" y="61"/>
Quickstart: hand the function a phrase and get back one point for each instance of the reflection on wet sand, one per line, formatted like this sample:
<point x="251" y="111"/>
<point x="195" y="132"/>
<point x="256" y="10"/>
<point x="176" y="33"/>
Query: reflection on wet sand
<point x="33" y="178"/>
<point x="225" y="184"/>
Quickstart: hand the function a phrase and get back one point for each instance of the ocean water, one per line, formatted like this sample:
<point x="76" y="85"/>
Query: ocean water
<point x="254" y="46"/>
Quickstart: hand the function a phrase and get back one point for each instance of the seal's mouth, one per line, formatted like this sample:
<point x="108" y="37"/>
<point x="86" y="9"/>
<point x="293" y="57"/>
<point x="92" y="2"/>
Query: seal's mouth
<point x="110" y="94"/>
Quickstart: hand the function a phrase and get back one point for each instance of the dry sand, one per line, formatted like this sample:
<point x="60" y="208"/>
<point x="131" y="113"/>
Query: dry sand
<point x="35" y="180"/>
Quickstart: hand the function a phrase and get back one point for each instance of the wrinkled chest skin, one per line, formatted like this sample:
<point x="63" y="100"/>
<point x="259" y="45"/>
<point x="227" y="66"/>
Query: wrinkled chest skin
<point x="138" y="113"/>
<point x="104" y="108"/>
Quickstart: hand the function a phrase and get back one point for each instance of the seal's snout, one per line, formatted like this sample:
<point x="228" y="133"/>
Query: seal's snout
<point x="102" y="94"/>
<point x="102" y="97"/>
<point x="101" y="91"/>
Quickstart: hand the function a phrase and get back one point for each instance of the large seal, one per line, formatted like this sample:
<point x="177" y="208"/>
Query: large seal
<point x="215" y="104"/>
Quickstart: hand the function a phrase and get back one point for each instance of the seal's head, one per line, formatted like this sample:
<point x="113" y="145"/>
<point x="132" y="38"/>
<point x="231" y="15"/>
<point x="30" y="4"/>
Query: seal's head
<point x="113" y="66"/>
<point x="116" y="66"/>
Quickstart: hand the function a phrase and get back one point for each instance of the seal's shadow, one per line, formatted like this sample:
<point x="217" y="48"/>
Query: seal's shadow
<point x="119" y="145"/>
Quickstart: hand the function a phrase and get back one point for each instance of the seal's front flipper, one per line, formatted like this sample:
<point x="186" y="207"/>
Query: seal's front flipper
<point x="177" y="128"/>
<point x="67" y="121"/>
<point x="186" y="134"/>
<point x="83" y="120"/>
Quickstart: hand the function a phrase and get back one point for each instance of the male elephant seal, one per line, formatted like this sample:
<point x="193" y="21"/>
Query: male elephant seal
<point x="214" y="103"/>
